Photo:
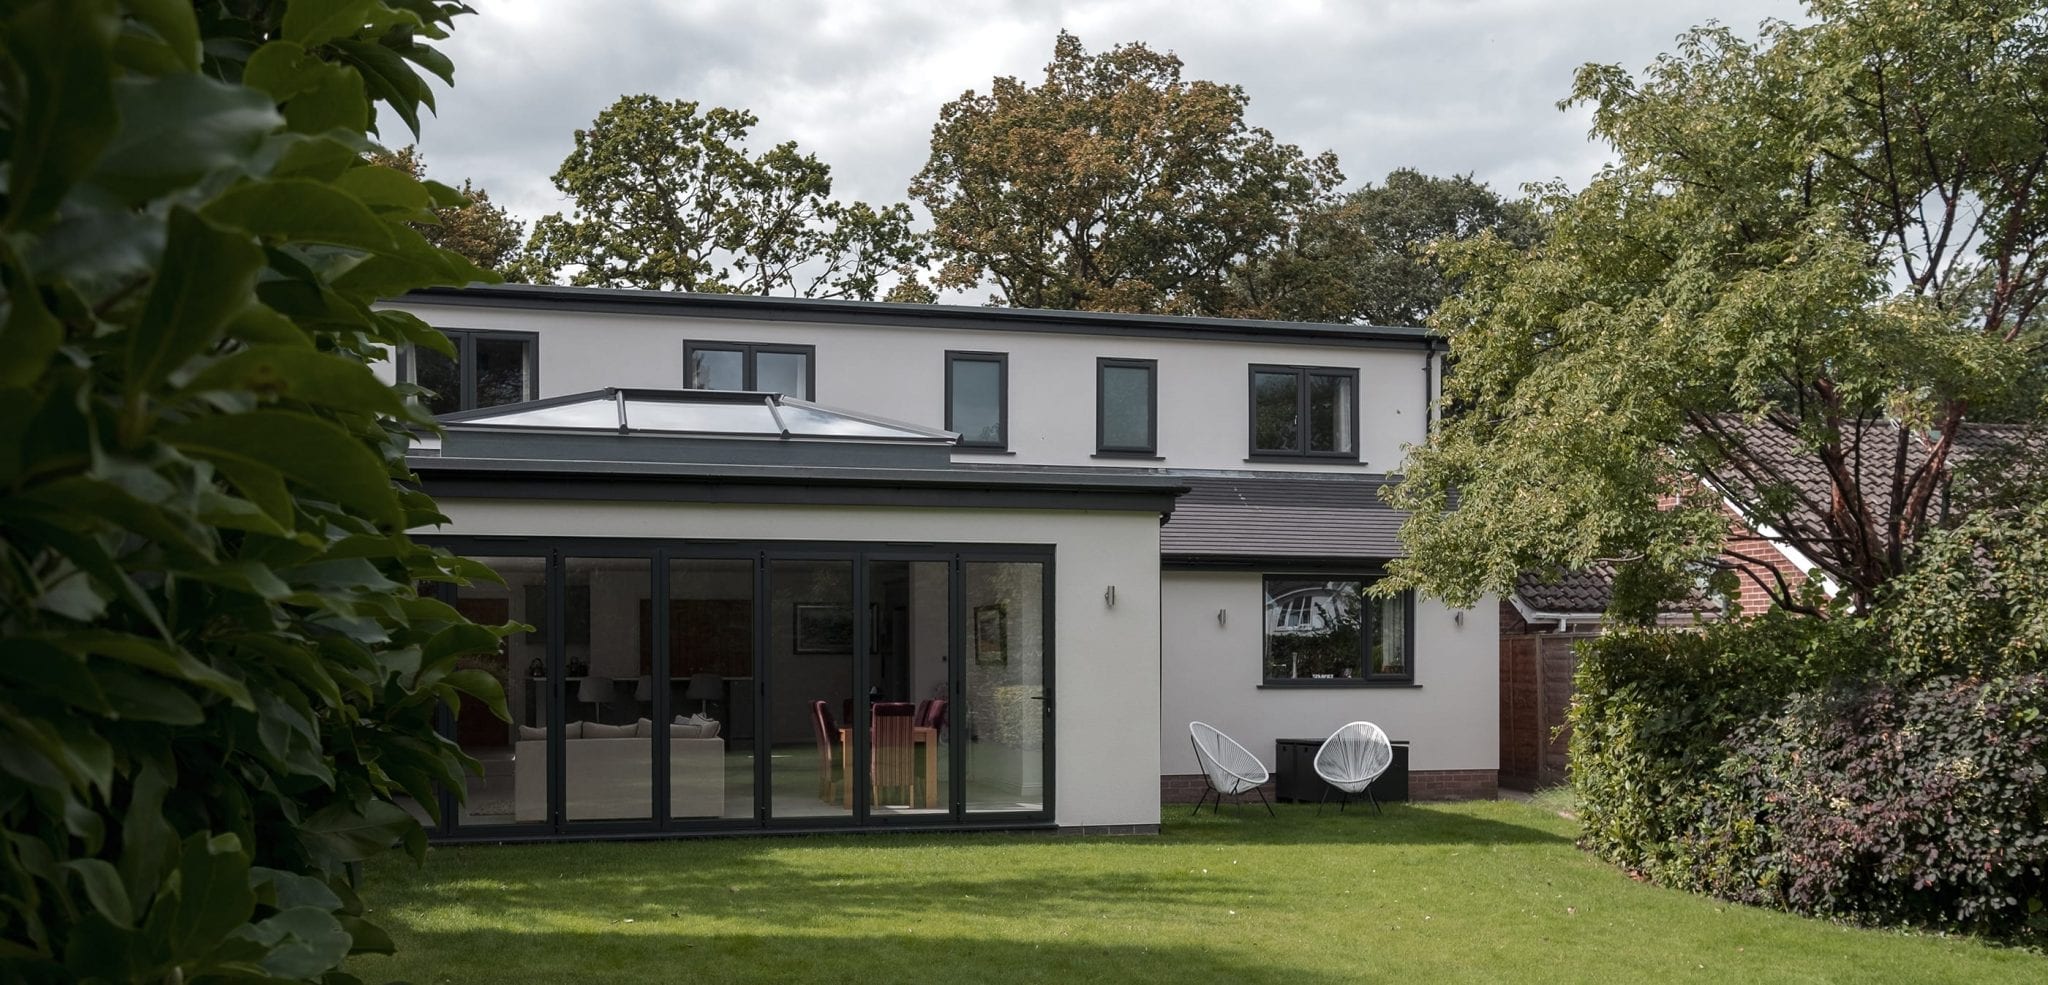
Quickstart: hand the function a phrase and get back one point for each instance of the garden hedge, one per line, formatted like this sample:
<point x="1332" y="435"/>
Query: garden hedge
<point x="1788" y="762"/>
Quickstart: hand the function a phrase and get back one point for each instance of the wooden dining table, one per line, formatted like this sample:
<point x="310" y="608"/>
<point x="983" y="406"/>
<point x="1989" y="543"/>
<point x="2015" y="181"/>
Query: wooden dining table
<point x="920" y="735"/>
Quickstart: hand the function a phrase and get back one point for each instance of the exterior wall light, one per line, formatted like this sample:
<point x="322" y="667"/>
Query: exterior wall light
<point x="1222" y="616"/>
<point x="1109" y="596"/>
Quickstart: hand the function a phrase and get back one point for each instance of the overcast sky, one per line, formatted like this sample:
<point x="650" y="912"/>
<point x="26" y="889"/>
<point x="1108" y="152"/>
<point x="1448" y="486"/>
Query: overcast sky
<point x="1445" y="86"/>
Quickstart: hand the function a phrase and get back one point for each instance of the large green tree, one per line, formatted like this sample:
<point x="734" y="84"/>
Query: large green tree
<point x="217" y="677"/>
<point x="668" y="198"/>
<point x="1397" y="280"/>
<point x="1817" y="256"/>
<point x="1370" y="255"/>
<point x="484" y="233"/>
<point x="1114" y="185"/>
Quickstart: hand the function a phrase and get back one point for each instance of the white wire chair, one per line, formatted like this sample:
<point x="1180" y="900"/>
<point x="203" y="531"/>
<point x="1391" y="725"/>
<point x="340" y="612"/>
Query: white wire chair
<point x="1230" y="767"/>
<point x="1350" y="759"/>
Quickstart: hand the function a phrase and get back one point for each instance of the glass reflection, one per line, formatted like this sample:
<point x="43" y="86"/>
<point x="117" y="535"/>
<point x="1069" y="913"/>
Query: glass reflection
<point x="508" y="791"/>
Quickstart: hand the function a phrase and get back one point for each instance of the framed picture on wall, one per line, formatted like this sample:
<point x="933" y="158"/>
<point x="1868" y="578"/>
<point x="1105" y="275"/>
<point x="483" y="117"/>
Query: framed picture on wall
<point x="823" y="628"/>
<point x="991" y="636"/>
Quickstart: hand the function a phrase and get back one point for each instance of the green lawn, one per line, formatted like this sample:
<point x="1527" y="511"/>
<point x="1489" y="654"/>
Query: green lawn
<point x="1465" y="892"/>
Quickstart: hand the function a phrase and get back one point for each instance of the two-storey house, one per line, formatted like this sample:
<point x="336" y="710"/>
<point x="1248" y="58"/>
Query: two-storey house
<point x="797" y="564"/>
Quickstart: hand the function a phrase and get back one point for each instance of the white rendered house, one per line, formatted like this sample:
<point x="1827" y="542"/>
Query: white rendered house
<point x="921" y="565"/>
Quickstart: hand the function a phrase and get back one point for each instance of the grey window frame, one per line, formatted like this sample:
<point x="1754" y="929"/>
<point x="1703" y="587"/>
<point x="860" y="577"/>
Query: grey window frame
<point x="1151" y="447"/>
<point x="464" y="340"/>
<point x="1002" y="361"/>
<point x="749" y="380"/>
<point x="1301" y="450"/>
<point x="1365" y="636"/>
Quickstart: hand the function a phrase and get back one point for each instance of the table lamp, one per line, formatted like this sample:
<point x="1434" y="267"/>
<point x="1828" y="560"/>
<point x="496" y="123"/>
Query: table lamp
<point x="705" y="688"/>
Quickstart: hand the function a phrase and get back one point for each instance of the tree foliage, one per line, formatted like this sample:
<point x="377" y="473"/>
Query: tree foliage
<point x="1398" y="280"/>
<point x="1370" y="255"/>
<point x="668" y="198"/>
<point x="1114" y="185"/>
<point x="485" y="234"/>
<point x="1833" y="239"/>
<point x="218" y="677"/>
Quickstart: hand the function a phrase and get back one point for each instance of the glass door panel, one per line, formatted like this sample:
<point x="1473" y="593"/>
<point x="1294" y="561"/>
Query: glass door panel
<point x="810" y="688"/>
<point x="1004" y="685"/>
<point x="909" y="641"/>
<point x="608" y="738"/>
<point x="513" y="788"/>
<point x="711" y="687"/>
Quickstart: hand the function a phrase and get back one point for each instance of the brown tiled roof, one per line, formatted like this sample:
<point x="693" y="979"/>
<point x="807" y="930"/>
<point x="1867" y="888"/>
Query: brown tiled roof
<point x="1588" y="590"/>
<point x="1785" y="457"/>
<point x="1293" y="516"/>
<point x="2002" y="446"/>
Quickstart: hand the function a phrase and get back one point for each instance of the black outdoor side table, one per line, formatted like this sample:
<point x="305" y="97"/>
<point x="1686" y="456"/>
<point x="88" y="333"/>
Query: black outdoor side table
<point x="1295" y="779"/>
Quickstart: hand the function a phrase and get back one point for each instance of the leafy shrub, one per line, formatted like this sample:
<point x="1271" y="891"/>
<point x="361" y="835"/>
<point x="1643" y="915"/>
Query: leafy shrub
<point x="1651" y="718"/>
<point x="1924" y="804"/>
<point x="216" y="674"/>
<point x="1975" y="600"/>
<point x="1797" y="763"/>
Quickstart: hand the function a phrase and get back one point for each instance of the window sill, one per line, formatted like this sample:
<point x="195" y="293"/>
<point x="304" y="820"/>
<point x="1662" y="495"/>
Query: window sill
<point x="1311" y="685"/>
<point x="1135" y="456"/>
<point x="1307" y="459"/>
<point x="980" y="450"/>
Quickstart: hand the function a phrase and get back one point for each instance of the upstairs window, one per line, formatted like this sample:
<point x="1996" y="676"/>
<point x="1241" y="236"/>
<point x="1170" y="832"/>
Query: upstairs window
<point x="1304" y="412"/>
<point x="1325" y="629"/>
<point x="1127" y="407"/>
<point x="489" y="369"/>
<point x="978" y="398"/>
<point x="763" y="368"/>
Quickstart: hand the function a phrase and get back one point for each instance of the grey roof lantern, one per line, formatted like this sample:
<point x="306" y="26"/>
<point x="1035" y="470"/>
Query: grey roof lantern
<point x="620" y="424"/>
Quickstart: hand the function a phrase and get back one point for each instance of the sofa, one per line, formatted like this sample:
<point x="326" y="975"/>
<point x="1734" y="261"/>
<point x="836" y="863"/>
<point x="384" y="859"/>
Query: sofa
<point x="609" y="774"/>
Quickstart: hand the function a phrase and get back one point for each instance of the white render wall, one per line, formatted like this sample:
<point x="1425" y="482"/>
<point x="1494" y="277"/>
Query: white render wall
<point x="1105" y="660"/>
<point x="1451" y="721"/>
<point x="900" y="373"/>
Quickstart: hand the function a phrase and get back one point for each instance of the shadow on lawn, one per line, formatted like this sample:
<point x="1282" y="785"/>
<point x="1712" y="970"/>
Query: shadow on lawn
<point x="493" y="956"/>
<point x="1401" y="824"/>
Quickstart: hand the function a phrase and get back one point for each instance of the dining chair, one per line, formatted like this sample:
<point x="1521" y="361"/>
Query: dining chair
<point x="821" y="722"/>
<point x="895" y="765"/>
<point x="931" y="714"/>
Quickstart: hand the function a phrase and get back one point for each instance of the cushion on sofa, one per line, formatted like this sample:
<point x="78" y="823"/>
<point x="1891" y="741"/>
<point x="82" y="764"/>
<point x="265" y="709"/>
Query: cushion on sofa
<point x="694" y="727"/>
<point x="533" y="731"/>
<point x="598" y="730"/>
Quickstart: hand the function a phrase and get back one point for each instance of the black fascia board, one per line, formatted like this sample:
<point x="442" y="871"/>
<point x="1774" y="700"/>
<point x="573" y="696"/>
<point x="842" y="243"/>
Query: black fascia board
<point x="1275" y="563"/>
<point x="547" y="297"/>
<point x="794" y="485"/>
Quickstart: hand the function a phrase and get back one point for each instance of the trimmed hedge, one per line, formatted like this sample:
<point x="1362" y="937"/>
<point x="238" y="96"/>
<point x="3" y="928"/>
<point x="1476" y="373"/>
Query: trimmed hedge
<point x="1780" y="762"/>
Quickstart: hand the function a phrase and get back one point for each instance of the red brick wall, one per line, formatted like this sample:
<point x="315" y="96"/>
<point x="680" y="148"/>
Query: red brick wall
<point x="1186" y="788"/>
<point x="1745" y="541"/>
<point x="1453" y="785"/>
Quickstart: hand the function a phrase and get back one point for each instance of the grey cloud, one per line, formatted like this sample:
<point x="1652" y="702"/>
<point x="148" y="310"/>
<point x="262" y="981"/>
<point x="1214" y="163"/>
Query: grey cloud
<point x="1444" y="86"/>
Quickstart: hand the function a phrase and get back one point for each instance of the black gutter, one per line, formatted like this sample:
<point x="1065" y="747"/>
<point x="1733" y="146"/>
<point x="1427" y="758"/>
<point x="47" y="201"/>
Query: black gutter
<point x="544" y="297"/>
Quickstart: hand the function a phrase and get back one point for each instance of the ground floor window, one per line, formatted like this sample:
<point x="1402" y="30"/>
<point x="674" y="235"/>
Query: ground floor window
<point x="1329" y="629"/>
<point x="689" y="685"/>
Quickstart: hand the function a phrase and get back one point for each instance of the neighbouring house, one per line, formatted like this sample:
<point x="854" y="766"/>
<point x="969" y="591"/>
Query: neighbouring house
<point x="1543" y="619"/>
<point x="816" y="565"/>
